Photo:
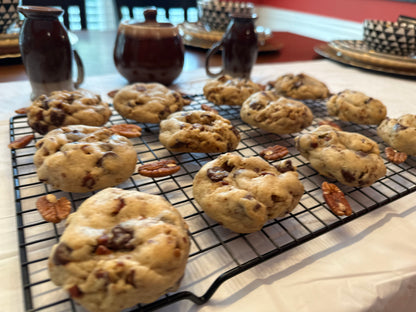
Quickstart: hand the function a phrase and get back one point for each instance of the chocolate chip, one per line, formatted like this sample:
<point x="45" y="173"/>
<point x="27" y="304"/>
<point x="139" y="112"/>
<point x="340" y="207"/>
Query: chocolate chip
<point x="106" y="155"/>
<point x="256" y="106"/>
<point x="275" y="198"/>
<point x="348" y="176"/>
<point x="285" y="166"/>
<point x="40" y="127"/>
<point x="130" y="278"/>
<point x="120" y="239"/>
<point x="368" y="100"/>
<point x="227" y="167"/>
<point x="216" y="174"/>
<point x="45" y="104"/>
<point x="62" y="254"/>
<point x="57" y="118"/>
<point x="88" y="181"/>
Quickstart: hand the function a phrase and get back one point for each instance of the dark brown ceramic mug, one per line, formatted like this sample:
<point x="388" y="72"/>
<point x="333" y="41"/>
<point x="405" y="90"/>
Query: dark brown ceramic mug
<point x="239" y="47"/>
<point x="149" y="51"/>
<point x="46" y="51"/>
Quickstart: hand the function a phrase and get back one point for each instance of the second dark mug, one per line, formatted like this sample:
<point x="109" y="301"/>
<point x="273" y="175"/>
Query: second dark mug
<point x="239" y="47"/>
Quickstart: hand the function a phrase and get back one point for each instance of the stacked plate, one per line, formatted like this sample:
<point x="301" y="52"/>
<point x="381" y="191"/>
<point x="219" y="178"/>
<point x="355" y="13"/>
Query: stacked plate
<point x="358" y="53"/>
<point x="9" y="45"/>
<point x="196" y="35"/>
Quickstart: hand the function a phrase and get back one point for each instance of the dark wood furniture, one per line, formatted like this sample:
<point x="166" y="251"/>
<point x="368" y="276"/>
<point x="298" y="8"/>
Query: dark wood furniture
<point x="64" y="4"/>
<point x="96" y="51"/>
<point x="165" y="4"/>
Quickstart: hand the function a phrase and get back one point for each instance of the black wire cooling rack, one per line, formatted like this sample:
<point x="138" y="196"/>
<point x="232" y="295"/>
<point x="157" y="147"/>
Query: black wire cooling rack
<point x="227" y="252"/>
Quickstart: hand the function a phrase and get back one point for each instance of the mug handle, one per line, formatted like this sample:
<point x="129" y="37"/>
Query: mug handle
<point x="214" y="49"/>
<point x="80" y="70"/>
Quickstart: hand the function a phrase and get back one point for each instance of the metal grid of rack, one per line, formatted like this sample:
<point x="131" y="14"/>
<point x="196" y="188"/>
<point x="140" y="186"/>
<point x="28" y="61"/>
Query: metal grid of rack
<point x="229" y="253"/>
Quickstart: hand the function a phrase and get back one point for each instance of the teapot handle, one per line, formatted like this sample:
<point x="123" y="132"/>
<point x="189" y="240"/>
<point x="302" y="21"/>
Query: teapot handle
<point x="214" y="49"/>
<point x="80" y="70"/>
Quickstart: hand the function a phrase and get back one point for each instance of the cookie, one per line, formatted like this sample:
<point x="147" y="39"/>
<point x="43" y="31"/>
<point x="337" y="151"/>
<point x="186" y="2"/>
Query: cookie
<point x="84" y="158"/>
<point x="399" y="133"/>
<point x="147" y="102"/>
<point x="229" y="91"/>
<point x="350" y="158"/>
<point x="355" y="106"/>
<point x="63" y="108"/>
<point x="301" y="87"/>
<point x="243" y="193"/>
<point x="198" y="131"/>
<point x="276" y="114"/>
<point x="120" y="248"/>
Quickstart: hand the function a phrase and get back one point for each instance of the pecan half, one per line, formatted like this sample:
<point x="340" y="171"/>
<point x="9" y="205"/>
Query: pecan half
<point x="112" y="93"/>
<point x="22" y="111"/>
<point x="329" y="123"/>
<point x="21" y="142"/>
<point x="127" y="130"/>
<point x="159" y="168"/>
<point x="394" y="156"/>
<point x="274" y="152"/>
<point x="208" y="108"/>
<point x="53" y="209"/>
<point x="335" y="199"/>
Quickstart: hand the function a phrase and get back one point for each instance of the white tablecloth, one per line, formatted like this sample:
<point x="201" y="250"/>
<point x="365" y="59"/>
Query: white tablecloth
<point x="368" y="264"/>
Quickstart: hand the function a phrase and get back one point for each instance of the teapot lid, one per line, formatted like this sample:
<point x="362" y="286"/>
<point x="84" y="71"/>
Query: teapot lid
<point x="149" y="28"/>
<point x="150" y="19"/>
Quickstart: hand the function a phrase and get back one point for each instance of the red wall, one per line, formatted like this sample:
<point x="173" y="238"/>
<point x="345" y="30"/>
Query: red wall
<point x="354" y="10"/>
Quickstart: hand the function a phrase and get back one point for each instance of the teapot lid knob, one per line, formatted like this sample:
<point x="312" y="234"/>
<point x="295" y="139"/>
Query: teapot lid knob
<point x="150" y="15"/>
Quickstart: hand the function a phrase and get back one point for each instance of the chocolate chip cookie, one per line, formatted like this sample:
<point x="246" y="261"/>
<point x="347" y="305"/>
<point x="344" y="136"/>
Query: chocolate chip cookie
<point x="243" y="193"/>
<point x="198" y="131"/>
<point x="301" y="87"/>
<point x="350" y="158"/>
<point x="276" y="114"/>
<point x="229" y="91"/>
<point x="148" y="102"/>
<point x="399" y="133"/>
<point x="120" y="248"/>
<point x="83" y="158"/>
<point x="63" y="108"/>
<point x="355" y="106"/>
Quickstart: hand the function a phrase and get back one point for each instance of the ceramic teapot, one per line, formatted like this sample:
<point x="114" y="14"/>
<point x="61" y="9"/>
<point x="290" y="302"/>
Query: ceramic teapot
<point x="149" y="51"/>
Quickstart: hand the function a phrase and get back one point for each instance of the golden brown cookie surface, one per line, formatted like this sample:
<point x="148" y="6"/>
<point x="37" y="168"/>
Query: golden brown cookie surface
<point x="63" y="108"/>
<point x="84" y="158"/>
<point x="119" y="249"/>
<point x="243" y="193"/>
